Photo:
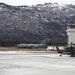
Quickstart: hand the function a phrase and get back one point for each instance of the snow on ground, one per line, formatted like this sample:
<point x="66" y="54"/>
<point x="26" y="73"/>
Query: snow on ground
<point x="54" y="47"/>
<point x="28" y="63"/>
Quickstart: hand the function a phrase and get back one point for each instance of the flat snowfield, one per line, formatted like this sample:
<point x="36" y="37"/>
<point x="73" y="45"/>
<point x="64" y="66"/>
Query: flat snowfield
<point x="31" y="63"/>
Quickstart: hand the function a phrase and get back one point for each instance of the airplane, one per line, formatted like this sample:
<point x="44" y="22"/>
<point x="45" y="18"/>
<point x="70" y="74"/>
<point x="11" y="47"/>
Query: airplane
<point x="32" y="46"/>
<point x="68" y="50"/>
<point x="41" y="45"/>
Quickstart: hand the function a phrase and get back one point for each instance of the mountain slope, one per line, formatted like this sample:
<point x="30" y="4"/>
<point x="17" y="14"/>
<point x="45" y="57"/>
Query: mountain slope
<point x="36" y="22"/>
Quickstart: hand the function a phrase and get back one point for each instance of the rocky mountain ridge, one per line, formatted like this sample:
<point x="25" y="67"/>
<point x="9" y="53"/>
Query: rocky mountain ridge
<point x="35" y="22"/>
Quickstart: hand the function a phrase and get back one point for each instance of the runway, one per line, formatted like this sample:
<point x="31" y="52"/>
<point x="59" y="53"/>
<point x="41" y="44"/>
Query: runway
<point x="29" y="63"/>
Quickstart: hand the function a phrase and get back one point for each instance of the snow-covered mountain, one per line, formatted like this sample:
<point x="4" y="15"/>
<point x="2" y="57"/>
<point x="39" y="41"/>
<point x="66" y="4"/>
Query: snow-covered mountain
<point x="35" y="22"/>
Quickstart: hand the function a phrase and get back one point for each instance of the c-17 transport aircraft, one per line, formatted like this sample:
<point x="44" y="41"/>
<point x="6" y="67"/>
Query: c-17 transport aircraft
<point x="41" y="45"/>
<point x="32" y="46"/>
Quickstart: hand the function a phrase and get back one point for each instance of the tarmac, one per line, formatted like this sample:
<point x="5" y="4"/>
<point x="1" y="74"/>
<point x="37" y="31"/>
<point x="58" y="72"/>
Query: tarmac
<point x="31" y="63"/>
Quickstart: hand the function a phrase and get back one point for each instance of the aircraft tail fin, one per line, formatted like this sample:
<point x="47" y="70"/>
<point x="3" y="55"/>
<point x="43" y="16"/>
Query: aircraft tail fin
<point x="45" y="41"/>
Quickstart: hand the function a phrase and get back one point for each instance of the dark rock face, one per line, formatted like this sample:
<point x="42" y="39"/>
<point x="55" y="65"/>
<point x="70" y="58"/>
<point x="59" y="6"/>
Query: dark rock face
<point x="35" y="22"/>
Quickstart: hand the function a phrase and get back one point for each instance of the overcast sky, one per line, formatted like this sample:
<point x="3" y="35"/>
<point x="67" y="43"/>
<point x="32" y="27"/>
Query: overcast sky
<point x="34" y="2"/>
